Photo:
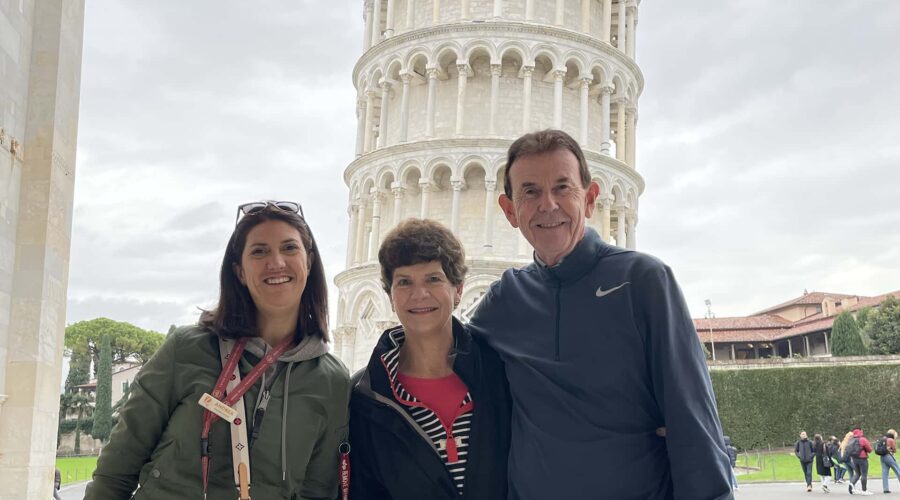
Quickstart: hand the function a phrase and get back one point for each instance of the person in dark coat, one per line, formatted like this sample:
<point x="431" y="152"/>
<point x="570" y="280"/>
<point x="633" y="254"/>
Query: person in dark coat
<point x="823" y="462"/>
<point x="833" y="446"/>
<point x="732" y="459"/>
<point x="430" y="414"/>
<point x="803" y="450"/>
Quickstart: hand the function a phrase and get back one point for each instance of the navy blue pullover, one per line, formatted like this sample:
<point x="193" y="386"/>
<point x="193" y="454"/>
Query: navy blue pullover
<point x="600" y="352"/>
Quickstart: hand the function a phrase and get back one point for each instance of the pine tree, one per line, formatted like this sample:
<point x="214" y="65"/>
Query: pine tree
<point x="103" y="407"/>
<point x="883" y="327"/>
<point x="845" y="337"/>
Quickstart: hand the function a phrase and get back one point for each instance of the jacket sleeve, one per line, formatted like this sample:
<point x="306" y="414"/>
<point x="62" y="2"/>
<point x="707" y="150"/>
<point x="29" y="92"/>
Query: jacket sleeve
<point x="365" y="483"/>
<point x="682" y="388"/>
<point x="323" y="471"/>
<point x="797" y="449"/>
<point x="142" y="420"/>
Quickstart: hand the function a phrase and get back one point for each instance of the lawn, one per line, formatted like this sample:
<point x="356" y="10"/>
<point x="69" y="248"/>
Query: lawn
<point x="76" y="469"/>
<point x="784" y="466"/>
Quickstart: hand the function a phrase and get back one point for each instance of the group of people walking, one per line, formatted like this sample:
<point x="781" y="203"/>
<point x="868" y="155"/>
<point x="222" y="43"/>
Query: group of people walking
<point x="847" y="457"/>
<point x="585" y="360"/>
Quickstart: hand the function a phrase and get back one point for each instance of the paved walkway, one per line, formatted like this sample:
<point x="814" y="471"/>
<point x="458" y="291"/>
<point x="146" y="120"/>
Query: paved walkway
<point x="797" y="491"/>
<point x="73" y="491"/>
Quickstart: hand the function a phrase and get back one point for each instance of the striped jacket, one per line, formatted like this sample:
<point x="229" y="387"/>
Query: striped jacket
<point x="400" y="449"/>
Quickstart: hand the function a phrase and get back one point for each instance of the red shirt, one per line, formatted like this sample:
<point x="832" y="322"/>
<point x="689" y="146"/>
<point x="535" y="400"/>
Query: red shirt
<point x="443" y="395"/>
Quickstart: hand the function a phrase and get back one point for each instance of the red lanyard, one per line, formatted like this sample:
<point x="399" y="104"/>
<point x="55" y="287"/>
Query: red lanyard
<point x="246" y="383"/>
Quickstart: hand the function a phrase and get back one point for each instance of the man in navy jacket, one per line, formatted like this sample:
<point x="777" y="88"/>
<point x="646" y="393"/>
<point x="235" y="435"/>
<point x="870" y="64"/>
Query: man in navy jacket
<point x="605" y="369"/>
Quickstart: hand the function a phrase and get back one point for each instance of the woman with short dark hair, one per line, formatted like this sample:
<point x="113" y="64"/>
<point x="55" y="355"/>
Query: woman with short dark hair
<point x="430" y="412"/>
<point x="248" y="401"/>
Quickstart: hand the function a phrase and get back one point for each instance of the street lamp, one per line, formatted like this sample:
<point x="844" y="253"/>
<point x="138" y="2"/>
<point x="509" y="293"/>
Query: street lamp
<point x="709" y="317"/>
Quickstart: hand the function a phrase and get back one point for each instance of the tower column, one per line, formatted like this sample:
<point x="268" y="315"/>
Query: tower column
<point x="370" y="117"/>
<point x="489" y="202"/>
<point x="620" y="36"/>
<point x="558" y="77"/>
<point x="360" y="242"/>
<point x="586" y="16"/>
<point x="498" y="8"/>
<point x="374" y="236"/>
<point x="495" y="97"/>
<point x="529" y="10"/>
<point x="389" y="22"/>
<point x="376" y="23"/>
<point x="560" y="12"/>
<point x="526" y="97"/>
<point x="351" y="233"/>
<point x="605" y="218"/>
<point x="457" y="185"/>
<point x="606" y="25"/>
<point x="631" y="23"/>
<point x="631" y="235"/>
<point x="398" y="192"/>
<point x="584" y="90"/>
<point x="410" y="14"/>
<point x="463" y="77"/>
<point x="383" y="121"/>
<point x="620" y="129"/>
<point x="605" y="93"/>
<point x="360" y="126"/>
<point x="367" y="35"/>
<point x="404" y="107"/>
<point x="620" y="225"/>
<point x="429" y="107"/>
<point x="425" y="187"/>
<point x="435" y="11"/>
<point x="464" y="9"/>
<point x="630" y="122"/>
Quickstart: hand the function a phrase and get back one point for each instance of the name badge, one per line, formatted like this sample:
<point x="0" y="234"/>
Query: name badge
<point x="219" y="408"/>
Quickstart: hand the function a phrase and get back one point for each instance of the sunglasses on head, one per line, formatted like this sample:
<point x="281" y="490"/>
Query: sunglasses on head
<point x="257" y="206"/>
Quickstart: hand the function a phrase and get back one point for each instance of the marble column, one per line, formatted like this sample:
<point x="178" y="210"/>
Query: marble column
<point x="558" y="78"/>
<point x="383" y="119"/>
<point x="367" y="35"/>
<point x="529" y="10"/>
<point x="464" y="9"/>
<point x="498" y="8"/>
<point x="435" y="12"/>
<point x="586" y="16"/>
<point x="606" y="26"/>
<point x="370" y="117"/>
<point x="351" y="234"/>
<point x="620" y="19"/>
<point x="457" y="185"/>
<point x="489" y="202"/>
<point x="429" y="107"/>
<point x="526" y="72"/>
<point x="585" y="87"/>
<point x="630" y="26"/>
<point x="621" y="239"/>
<point x="495" y="97"/>
<point x="605" y="218"/>
<point x="398" y="191"/>
<point x="462" y="78"/>
<point x="361" y="231"/>
<point x="410" y="14"/>
<point x="631" y="230"/>
<point x="620" y="128"/>
<point x="605" y="94"/>
<point x="389" y="22"/>
<point x="425" y="187"/>
<point x="376" y="23"/>
<point x="404" y="107"/>
<point x="630" y="122"/>
<point x="360" y="126"/>
<point x="559" y="19"/>
<point x="375" y="235"/>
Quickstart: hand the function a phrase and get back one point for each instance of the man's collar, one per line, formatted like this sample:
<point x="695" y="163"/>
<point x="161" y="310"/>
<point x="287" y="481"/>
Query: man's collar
<point x="577" y="262"/>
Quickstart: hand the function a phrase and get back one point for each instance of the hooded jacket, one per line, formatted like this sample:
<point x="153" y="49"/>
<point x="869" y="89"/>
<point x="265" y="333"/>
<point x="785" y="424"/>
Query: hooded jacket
<point x="600" y="352"/>
<point x="865" y="447"/>
<point x="392" y="458"/>
<point x="156" y="443"/>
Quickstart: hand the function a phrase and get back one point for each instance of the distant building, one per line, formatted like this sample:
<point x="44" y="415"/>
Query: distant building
<point x="123" y="375"/>
<point x="799" y="326"/>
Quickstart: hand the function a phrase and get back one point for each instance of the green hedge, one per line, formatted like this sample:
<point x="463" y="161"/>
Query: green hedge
<point x="767" y="407"/>
<point x="68" y="425"/>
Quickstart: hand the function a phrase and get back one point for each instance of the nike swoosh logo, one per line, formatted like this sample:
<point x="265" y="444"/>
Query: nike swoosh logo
<point x="602" y="293"/>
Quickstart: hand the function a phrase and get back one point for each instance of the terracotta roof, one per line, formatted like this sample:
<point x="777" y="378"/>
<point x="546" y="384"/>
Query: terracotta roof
<point x="810" y="298"/>
<point x="742" y="323"/>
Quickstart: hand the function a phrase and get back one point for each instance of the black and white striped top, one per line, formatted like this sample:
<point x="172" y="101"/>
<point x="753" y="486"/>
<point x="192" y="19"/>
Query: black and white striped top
<point x="451" y="444"/>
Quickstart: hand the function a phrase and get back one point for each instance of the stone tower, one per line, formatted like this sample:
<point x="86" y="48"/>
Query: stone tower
<point x="443" y="87"/>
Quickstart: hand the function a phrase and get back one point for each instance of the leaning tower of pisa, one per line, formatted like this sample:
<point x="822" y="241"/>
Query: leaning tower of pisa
<point x="443" y="88"/>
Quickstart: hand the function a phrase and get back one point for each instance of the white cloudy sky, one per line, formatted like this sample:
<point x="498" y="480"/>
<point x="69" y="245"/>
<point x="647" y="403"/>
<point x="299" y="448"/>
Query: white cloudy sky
<point x="768" y="138"/>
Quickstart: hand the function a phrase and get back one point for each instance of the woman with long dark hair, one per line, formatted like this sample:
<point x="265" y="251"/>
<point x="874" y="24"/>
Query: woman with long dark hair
<point x="823" y="462"/>
<point x="247" y="401"/>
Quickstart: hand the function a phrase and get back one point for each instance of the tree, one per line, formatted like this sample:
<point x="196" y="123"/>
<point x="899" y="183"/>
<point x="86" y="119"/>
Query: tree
<point x="845" y="338"/>
<point x="128" y="342"/>
<point x="883" y="327"/>
<point x="65" y="407"/>
<point x="103" y="406"/>
<point x="81" y="405"/>
<point x="79" y="370"/>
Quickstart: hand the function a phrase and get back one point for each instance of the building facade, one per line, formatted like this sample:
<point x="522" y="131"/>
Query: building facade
<point x="443" y="88"/>
<point x="40" y="81"/>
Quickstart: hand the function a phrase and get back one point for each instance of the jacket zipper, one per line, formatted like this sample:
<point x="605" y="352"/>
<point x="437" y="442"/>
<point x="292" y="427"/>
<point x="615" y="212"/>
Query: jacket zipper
<point x="558" y="292"/>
